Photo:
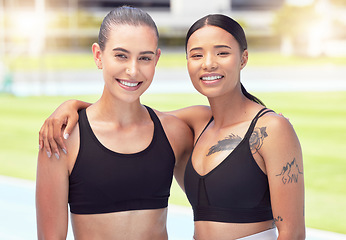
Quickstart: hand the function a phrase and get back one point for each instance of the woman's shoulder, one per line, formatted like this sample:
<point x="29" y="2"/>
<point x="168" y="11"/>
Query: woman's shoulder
<point x="274" y="120"/>
<point x="277" y="128"/>
<point x="177" y="131"/>
<point x="169" y="121"/>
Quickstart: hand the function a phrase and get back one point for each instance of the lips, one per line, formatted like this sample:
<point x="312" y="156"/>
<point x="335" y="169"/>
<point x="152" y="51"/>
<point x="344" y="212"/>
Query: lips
<point x="129" y="85"/>
<point x="211" y="78"/>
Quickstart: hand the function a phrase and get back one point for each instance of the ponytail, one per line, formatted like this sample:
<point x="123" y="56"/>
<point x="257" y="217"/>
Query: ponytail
<point x="250" y="96"/>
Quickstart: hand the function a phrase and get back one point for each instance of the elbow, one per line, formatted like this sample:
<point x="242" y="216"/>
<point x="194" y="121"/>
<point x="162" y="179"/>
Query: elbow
<point x="299" y="236"/>
<point x="48" y="234"/>
<point x="49" y="237"/>
<point x="293" y="235"/>
<point x="302" y="236"/>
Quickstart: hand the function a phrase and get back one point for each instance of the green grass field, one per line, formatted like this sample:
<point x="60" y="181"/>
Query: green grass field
<point x="319" y="120"/>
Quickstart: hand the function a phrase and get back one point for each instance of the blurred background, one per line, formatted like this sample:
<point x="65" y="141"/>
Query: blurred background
<point x="297" y="66"/>
<point x="38" y="38"/>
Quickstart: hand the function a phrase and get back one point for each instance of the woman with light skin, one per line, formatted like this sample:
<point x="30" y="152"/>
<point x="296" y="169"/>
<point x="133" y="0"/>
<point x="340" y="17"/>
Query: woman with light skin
<point x="244" y="178"/>
<point x="118" y="172"/>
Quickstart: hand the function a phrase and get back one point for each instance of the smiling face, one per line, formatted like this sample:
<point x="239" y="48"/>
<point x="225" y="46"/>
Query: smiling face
<point x="128" y="61"/>
<point x="214" y="61"/>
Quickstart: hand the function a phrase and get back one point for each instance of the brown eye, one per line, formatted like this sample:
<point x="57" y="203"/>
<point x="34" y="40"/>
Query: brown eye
<point x="223" y="53"/>
<point x="196" y="56"/>
<point x="121" y="56"/>
<point x="145" y="58"/>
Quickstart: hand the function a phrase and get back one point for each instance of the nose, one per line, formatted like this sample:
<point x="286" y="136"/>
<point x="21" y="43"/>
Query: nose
<point x="209" y="63"/>
<point x="132" y="68"/>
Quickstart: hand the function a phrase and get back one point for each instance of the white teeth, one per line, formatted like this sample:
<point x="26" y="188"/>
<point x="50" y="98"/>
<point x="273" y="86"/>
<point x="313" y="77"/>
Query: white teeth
<point x="211" y="78"/>
<point x="129" y="84"/>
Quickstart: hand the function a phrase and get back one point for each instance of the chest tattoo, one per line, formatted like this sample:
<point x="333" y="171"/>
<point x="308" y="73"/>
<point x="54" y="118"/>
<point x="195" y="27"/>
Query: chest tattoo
<point x="229" y="143"/>
<point x="232" y="141"/>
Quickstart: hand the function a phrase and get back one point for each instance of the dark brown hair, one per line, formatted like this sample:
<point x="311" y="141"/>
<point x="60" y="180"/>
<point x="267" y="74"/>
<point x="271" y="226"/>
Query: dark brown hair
<point x="229" y="25"/>
<point x="124" y="15"/>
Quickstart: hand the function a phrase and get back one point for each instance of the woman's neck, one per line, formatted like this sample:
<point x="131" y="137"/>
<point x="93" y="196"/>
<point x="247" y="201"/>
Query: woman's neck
<point x="229" y="109"/>
<point x="117" y="111"/>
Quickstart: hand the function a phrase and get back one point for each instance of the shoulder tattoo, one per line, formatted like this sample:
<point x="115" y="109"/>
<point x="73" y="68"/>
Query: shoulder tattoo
<point x="256" y="139"/>
<point x="290" y="172"/>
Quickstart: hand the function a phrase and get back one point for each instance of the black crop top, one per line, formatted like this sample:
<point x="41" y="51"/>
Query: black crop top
<point x="103" y="181"/>
<point x="236" y="191"/>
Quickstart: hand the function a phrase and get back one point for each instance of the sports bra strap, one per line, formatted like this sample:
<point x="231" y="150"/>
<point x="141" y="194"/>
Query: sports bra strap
<point x="211" y="119"/>
<point x="254" y="121"/>
<point x="260" y="114"/>
<point x="152" y="114"/>
<point x="264" y="112"/>
<point x="252" y="125"/>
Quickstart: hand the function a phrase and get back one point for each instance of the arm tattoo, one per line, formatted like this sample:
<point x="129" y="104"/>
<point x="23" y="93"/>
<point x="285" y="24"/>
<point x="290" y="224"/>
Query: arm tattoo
<point x="229" y="143"/>
<point x="277" y="219"/>
<point x="256" y="139"/>
<point x="290" y="172"/>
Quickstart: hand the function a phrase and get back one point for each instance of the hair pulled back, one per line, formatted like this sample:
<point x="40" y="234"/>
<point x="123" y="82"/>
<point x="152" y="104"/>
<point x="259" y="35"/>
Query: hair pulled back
<point x="232" y="27"/>
<point x="124" y="15"/>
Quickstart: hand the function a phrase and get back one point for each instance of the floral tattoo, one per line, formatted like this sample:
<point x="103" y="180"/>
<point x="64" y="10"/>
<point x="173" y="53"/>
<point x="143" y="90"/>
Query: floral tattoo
<point x="256" y="139"/>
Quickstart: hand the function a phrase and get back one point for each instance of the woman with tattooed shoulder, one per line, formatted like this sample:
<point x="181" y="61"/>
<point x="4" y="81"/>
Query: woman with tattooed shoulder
<point x="244" y="178"/>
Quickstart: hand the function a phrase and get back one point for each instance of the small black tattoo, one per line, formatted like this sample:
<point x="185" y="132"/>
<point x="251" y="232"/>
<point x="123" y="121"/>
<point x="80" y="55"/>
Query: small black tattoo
<point x="256" y="139"/>
<point x="290" y="172"/>
<point x="229" y="143"/>
<point x="278" y="219"/>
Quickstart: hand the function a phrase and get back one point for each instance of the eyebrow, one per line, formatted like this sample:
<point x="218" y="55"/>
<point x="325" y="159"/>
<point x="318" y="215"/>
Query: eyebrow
<point x="216" y="46"/>
<point x="195" y="49"/>
<point x="126" y="51"/>
<point x="222" y="46"/>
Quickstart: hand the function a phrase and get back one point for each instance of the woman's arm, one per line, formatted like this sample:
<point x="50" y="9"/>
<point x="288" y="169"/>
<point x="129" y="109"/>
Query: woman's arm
<point x="51" y="198"/>
<point x="52" y="185"/>
<point x="196" y="117"/>
<point x="282" y="154"/>
<point x="180" y="137"/>
<point x="183" y="144"/>
<point x="64" y="117"/>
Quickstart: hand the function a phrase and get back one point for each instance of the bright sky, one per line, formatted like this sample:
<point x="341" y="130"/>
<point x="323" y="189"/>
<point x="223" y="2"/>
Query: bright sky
<point x="299" y="2"/>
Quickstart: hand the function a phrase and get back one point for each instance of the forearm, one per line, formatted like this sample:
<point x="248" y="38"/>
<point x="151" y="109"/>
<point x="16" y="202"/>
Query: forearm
<point x="78" y="105"/>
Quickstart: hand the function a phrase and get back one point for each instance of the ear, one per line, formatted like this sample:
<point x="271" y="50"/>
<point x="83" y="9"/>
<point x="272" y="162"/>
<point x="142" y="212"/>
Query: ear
<point x="97" y="55"/>
<point x="158" y="54"/>
<point x="244" y="59"/>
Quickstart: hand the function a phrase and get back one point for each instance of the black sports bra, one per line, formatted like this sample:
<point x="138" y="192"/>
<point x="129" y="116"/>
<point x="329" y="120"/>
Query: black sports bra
<point x="104" y="181"/>
<point x="236" y="191"/>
